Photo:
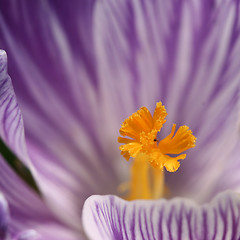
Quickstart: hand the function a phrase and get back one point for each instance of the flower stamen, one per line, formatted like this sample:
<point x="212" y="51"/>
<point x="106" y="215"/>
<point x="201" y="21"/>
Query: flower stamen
<point x="140" y="142"/>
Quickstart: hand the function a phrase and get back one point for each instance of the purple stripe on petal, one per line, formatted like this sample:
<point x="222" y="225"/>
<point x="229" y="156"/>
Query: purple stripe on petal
<point x="11" y="123"/>
<point x="175" y="219"/>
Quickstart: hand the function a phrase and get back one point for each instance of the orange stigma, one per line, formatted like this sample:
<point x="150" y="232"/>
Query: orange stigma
<point x="140" y="142"/>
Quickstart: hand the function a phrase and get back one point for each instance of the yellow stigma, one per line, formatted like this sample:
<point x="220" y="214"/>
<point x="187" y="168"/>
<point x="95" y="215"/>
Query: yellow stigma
<point x="150" y="155"/>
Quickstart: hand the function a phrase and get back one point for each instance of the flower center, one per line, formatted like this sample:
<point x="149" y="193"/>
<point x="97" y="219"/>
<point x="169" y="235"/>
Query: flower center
<point x="151" y="156"/>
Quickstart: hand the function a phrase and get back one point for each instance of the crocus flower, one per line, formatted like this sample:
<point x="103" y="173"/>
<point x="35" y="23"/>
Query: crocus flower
<point x="79" y="69"/>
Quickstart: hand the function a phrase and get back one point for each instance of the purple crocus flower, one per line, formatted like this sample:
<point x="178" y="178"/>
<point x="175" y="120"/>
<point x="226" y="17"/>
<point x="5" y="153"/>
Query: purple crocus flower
<point x="79" y="69"/>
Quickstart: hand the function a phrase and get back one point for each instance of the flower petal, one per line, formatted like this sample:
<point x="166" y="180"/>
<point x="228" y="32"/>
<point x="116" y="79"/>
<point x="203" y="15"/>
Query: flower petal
<point x="11" y="123"/>
<point x="69" y="143"/>
<point x="12" y="132"/>
<point x="209" y="102"/>
<point x="185" y="54"/>
<point x="4" y="217"/>
<point x="28" y="235"/>
<point x="109" y="217"/>
<point x="27" y="210"/>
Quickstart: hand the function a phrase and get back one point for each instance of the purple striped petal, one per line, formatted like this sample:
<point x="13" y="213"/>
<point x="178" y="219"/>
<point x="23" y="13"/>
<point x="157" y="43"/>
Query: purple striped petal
<point x="186" y="54"/>
<point x="109" y="217"/>
<point x="4" y="217"/>
<point x="12" y="132"/>
<point x="66" y="135"/>
<point x="28" y="211"/>
<point x="11" y="123"/>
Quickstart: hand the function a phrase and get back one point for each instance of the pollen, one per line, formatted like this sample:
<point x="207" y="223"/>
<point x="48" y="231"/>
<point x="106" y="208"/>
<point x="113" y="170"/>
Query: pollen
<point x="151" y="155"/>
